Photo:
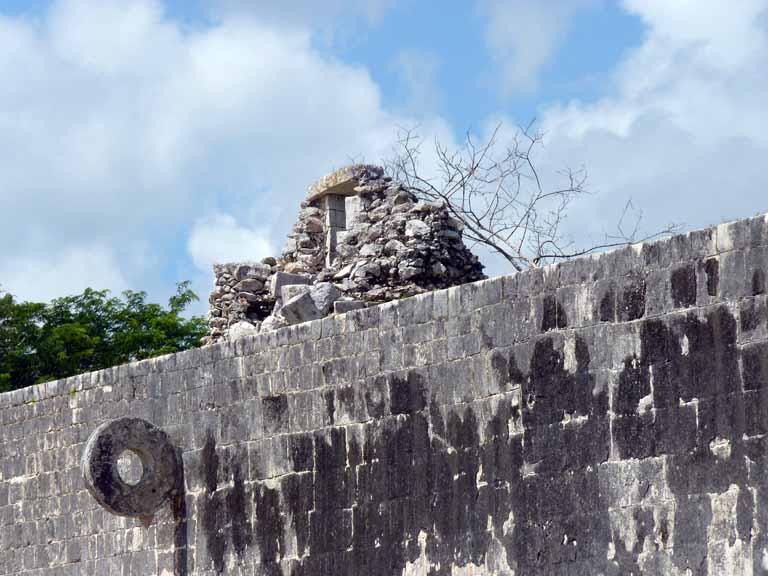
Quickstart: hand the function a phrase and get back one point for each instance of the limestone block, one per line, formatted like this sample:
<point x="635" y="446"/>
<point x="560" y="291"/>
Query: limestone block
<point x="343" y="181"/>
<point x="296" y="268"/>
<point x="249" y="285"/>
<point x="248" y="297"/>
<point x="336" y="219"/>
<point x="273" y="322"/>
<point x="300" y="309"/>
<point x="394" y="247"/>
<point x="353" y="207"/>
<point x="369" y="250"/>
<point x="292" y="290"/>
<point x="344" y="306"/>
<point x="313" y="225"/>
<point x="344" y="272"/>
<point x="241" y="329"/>
<point x="324" y="294"/>
<point x="416" y="228"/>
<point x="438" y="269"/>
<point x="252" y="270"/>
<point x="281" y="279"/>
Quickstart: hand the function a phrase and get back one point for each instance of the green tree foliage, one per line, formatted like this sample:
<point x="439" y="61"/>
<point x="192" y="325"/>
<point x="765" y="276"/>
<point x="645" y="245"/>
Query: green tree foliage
<point x="90" y="331"/>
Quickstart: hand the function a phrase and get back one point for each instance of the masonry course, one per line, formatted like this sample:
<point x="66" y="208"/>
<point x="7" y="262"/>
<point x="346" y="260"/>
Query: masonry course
<point x="607" y="415"/>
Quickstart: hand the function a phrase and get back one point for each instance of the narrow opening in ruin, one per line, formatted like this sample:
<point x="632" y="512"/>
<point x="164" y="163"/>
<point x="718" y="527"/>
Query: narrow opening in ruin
<point x="130" y="468"/>
<point x="335" y="224"/>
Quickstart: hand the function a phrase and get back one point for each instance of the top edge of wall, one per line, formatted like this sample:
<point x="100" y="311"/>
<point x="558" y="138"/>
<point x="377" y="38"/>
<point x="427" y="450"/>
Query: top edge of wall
<point x="662" y="253"/>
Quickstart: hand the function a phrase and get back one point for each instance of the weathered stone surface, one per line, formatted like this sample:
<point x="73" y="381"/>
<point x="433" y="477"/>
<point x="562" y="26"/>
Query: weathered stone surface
<point x="249" y="285"/>
<point x="343" y="181"/>
<point x="591" y="418"/>
<point x="300" y="308"/>
<point x="273" y="322"/>
<point x="344" y="306"/>
<point x="416" y="228"/>
<point x="292" y="290"/>
<point x="324" y="294"/>
<point x="344" y="272"/>
<point x="252" y="270"/>
<point x="243" y="328"/>
<point x="160" y="477"/>
<point x="281" y="279"/>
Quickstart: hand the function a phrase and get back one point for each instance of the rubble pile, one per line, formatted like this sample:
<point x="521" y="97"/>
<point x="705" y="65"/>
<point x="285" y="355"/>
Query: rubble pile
<point x="398" y="246"/>
<point x="360" y="238"/>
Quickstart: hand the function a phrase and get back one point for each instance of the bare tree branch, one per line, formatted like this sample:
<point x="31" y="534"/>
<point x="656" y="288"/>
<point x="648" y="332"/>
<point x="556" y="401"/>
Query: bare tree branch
<point x="500" y="198"/>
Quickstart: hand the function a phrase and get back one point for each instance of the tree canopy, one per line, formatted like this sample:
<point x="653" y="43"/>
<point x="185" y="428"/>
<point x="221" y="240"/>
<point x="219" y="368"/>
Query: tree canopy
<point x="90" y="331"/>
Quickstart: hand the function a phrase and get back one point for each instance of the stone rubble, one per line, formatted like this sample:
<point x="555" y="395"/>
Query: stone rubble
<point x="360" y="238"/>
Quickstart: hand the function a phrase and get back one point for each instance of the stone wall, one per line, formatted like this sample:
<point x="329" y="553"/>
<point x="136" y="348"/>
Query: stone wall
<point x="604" y="416"/>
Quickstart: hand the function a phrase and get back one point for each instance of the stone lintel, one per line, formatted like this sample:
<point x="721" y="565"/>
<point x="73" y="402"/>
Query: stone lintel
<point x="342" y="182"/>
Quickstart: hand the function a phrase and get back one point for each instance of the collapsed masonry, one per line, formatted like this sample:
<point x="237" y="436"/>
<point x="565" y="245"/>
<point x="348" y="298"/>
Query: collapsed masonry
<point x="361" y="238"/>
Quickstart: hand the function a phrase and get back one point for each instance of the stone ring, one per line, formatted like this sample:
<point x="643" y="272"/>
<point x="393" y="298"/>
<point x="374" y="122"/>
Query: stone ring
<point x="159" y="461"/>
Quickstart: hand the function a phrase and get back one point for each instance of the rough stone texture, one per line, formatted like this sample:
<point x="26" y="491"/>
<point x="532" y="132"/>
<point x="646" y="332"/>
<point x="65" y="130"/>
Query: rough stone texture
<point x="161" y="468"/>
<point x="241" y="295"/>
<point x="604" y="416"/>
<point x="281" y="279"/>
<point x="300" y="308"/>
<point x="359" y="229"/>
<point x="342" y="182"/>
<point x="243" y="328"/>
<point x="344" y="306"/>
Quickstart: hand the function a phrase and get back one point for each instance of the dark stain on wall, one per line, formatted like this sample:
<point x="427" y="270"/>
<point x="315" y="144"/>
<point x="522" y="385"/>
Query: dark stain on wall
<point x="553" y="314"/>
<point x="607" y="308"/>
<point x="758" y="282"/>
<point x="209" y="464"/>
<point x="359" y="503"/>
<point x="684" y="286"/>
<point x="180" y="518"/>
<point x="702" y="422"/>
<point x="239" y="513"/>
<point x="402" y="481"/>
<point x="755" y="366"/>
<point x="505" y="370"/>
<point x="752" y="312"/>
<point x="298" y="495"/>
<point x="301" y="451"/>
<point x="345" y="398"/>
<point x="375" y="395"/>
<point x="554" y="510"/>
<point x="269" y="527"/>
<point x="712" y="270"/>
<point x="275" y="410"/>
<point x="633" y="299"/>
<point x="212" y="511"/>
<point x="407" y="395"/>
<point x="330" y="405"/>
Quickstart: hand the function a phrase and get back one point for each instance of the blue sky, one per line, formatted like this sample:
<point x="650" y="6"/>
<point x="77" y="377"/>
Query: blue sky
<point x="142" y="140"/>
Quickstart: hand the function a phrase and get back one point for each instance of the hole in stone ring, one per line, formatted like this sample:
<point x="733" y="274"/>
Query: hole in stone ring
<point x="130" y="467"/>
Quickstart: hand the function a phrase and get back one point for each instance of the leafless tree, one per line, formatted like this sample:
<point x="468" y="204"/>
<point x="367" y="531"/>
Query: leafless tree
<point x="497" y="194"/>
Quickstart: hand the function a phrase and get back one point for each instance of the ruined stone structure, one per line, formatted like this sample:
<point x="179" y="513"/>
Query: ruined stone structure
<point x="604" y="416"/>
<point x="360" y="238"/>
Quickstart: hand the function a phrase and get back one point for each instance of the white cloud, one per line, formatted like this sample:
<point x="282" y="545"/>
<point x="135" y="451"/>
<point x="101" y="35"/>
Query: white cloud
<point x="524" y="35"/>
<point x="683" y="132"/>
<point x="41" y="278"/>
<point x="303" y="12"/>
<point x="417" y="72"/>
<point x="219" y="238"/>
<point x="121" y="128"/>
